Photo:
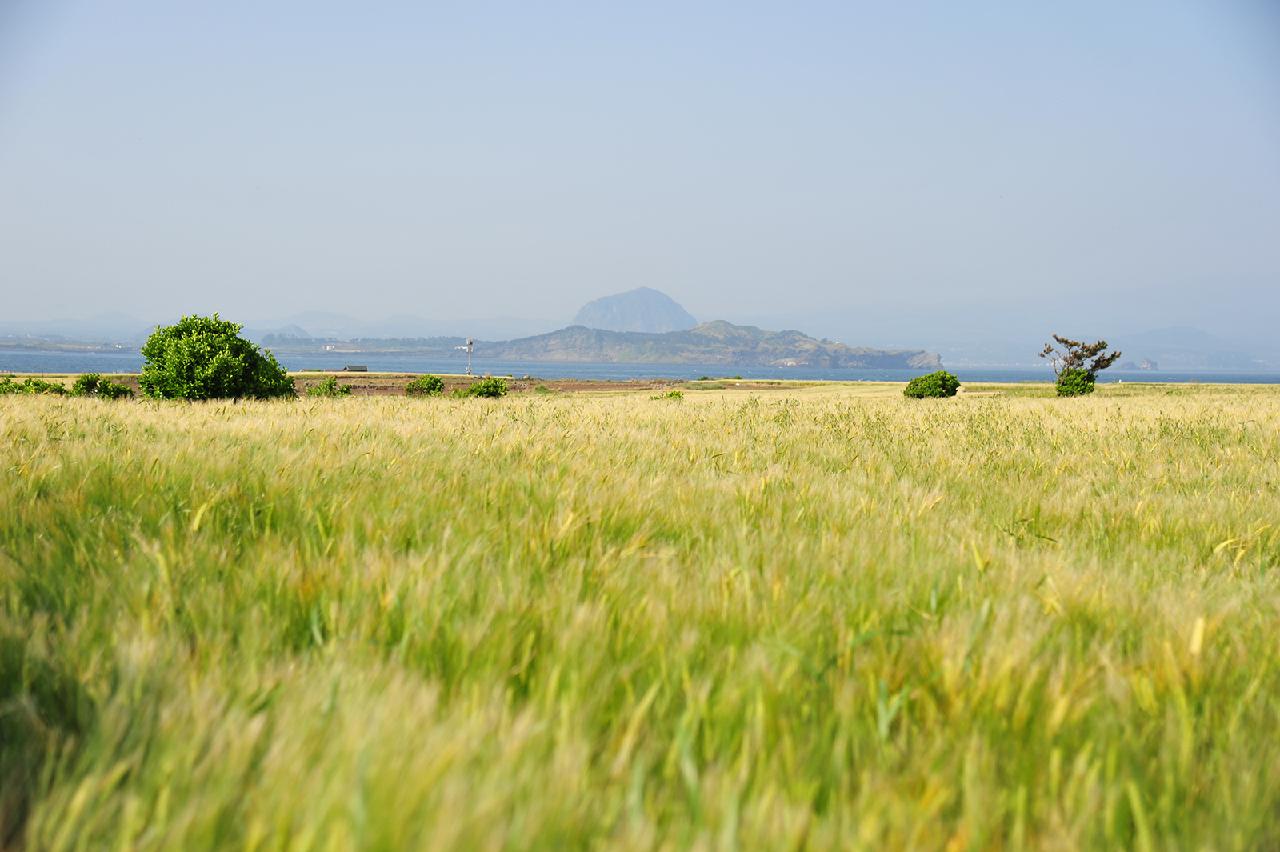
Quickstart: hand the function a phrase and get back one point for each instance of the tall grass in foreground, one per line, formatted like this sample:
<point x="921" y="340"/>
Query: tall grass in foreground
<point x="810" y="619"/>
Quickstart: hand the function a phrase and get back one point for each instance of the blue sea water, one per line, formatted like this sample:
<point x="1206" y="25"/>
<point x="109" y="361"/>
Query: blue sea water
<point x="31" y="361"/>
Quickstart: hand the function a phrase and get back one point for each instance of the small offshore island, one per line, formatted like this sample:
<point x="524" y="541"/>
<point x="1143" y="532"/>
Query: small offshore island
<point x="712" y="343"/>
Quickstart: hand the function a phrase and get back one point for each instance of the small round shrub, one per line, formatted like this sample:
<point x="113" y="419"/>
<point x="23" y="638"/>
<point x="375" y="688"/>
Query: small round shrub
<point x="206" y="358"/>
<point x="93" y="384"/>
<point x="1074" y="382"/>
<point x="425" y="386"/>
<point x="329" y="387"/>
<point x="939" y="384"/>
<point x="491" y="387"/>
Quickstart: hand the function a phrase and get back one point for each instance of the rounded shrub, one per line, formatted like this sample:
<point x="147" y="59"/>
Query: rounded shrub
<point x="1074" y="381"/>
<point x="206" y="358"/>
<point x="425" y="386"/>
<point x="492" y="387"/>
<point x="93" y="384"/>
<point x="939" y="384"/>
<point x="329" y="386"/>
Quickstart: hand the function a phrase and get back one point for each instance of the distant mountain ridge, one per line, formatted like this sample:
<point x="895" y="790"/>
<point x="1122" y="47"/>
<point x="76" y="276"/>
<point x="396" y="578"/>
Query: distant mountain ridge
<point x="641" y="310"/>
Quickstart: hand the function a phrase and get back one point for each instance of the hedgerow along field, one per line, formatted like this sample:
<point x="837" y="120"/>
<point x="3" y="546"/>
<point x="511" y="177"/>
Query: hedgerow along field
<point x="820" y="617"/>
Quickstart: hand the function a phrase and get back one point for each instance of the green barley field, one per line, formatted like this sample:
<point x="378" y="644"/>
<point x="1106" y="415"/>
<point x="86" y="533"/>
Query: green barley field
<point x="818" y="617"/>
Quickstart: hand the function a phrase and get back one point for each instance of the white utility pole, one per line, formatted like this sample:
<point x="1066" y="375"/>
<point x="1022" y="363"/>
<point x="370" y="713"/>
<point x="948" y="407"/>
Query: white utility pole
<point x="471" y="344"/>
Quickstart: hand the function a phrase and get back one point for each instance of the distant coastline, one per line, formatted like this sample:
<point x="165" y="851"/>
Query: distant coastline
<point x="81" y="361"/>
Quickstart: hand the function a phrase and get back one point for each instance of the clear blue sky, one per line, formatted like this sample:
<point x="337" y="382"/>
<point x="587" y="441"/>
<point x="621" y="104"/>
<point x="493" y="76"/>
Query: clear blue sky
<point x="845" y="165"/>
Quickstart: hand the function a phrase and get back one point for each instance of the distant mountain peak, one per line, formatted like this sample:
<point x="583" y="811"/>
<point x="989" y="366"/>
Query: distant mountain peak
<point x="643" y="309"/>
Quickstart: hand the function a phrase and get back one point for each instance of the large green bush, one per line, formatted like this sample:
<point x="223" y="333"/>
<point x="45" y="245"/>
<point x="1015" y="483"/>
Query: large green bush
<point x="939" y="384"/>
<point x="425" y="386"/>
<point x="206" y="358"/>
<point x="93" y="384"/>
<point x="1074" y="381"/>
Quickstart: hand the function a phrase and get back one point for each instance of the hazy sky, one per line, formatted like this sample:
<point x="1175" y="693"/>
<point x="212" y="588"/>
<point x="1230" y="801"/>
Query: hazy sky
<point x="853" y="166"/>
